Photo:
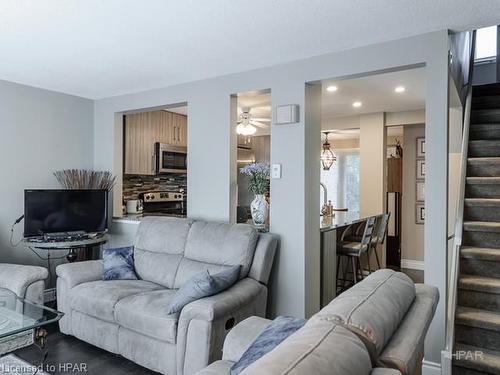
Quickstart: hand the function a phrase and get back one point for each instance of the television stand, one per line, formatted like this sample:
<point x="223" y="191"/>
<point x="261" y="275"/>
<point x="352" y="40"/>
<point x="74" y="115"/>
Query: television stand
<point x="63" y="244"/>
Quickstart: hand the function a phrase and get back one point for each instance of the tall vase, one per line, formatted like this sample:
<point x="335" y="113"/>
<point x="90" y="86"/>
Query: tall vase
<point x="260" y="210"/>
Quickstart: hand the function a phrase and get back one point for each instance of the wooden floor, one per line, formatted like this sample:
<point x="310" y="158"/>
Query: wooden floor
<point x="64" y="349"/>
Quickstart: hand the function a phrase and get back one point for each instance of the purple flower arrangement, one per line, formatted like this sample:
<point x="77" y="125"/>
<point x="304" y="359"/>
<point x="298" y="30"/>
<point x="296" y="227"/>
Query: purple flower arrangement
<point x="258" y="174"/>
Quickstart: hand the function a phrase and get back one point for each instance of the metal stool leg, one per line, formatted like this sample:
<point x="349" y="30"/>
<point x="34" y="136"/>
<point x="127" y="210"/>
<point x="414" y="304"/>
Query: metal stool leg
<point x="354" y="271"/>
<point x="376" y="256"/>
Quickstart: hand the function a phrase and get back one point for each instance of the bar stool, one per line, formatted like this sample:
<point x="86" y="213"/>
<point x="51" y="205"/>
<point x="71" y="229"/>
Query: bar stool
<point x="379" y="237"/>
<point x="353" y="250"/>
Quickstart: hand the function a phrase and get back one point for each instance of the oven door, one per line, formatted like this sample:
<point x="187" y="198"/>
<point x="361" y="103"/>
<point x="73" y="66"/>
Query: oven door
<point x="170" y="159"/>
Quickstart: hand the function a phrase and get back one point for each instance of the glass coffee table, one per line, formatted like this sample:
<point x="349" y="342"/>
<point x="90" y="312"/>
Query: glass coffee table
<point x="21" y="322"/>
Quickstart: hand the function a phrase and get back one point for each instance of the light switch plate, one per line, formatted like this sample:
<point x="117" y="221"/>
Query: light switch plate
<point x="276" y="171"/>
<point x="286" y="114"/>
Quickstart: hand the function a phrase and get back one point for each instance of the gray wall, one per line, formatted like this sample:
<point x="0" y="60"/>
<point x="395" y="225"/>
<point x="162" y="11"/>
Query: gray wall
<point x="412" y="236"/>
<point x="294" y="208"/>
<point x="40" y="131"/>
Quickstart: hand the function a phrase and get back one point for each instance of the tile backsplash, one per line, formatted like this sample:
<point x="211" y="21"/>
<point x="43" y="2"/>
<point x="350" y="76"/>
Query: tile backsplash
<point x="133" y="185"/>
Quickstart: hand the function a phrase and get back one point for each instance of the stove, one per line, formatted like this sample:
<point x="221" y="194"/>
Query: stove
<point x="164" y="202"/>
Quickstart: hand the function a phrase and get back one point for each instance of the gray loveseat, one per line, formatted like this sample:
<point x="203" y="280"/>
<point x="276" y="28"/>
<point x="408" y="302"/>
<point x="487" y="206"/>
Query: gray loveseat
<point x="377" y="327"/>
<point x="128" y="317"/>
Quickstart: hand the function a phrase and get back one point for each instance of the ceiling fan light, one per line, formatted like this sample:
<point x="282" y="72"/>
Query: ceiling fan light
<point x="245" y="129"/>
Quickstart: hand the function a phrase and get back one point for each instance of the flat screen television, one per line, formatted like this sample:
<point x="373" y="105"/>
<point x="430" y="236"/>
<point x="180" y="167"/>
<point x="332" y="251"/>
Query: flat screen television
<point x="52" y="211"/>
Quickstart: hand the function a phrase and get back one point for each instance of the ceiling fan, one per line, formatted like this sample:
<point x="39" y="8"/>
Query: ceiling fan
<point x="247" y="125"/>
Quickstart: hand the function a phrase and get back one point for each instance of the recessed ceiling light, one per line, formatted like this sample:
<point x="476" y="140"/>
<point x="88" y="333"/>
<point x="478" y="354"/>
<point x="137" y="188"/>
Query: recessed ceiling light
<point x="357" y="104"/>
<point x="400" y="89"/>
<point x="331" y="88"/>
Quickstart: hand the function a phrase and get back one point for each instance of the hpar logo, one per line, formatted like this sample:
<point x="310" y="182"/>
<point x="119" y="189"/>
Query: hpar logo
<point x="468" y="355"/>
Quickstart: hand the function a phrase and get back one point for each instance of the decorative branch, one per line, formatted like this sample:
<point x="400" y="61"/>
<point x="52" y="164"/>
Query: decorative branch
<point x="85" y="179"/>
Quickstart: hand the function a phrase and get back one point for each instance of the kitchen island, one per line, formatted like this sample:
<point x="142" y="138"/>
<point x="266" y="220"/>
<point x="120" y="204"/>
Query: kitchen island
<point x="331" y="229"/>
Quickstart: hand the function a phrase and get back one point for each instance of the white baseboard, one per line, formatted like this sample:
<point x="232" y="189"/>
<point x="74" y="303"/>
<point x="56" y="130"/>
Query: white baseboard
<point x="412" y="264"/>
<point x="431" y="368"/>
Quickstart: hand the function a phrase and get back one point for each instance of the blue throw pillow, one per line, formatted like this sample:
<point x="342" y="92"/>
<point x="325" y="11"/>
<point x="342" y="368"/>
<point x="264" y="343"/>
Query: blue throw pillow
<point x="274" y="334"/>
<point x="119" y="264"/>
<point x="203" y="285"/>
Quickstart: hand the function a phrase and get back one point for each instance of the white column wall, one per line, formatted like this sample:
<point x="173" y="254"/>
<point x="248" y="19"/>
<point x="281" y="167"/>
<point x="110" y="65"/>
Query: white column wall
<point x="372" y="163"/>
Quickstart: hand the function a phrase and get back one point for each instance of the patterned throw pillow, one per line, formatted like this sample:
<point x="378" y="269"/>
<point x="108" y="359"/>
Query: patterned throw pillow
<point x="203" y="285"/>
<point x="274" y="334"/>
<point x="119" y="264"/>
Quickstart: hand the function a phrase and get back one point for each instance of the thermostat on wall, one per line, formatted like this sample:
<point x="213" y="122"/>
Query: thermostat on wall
<point x="286" y="114"/>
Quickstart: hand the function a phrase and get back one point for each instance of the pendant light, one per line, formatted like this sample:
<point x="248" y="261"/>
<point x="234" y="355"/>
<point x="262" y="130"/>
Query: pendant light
<point x="327" y="155"/>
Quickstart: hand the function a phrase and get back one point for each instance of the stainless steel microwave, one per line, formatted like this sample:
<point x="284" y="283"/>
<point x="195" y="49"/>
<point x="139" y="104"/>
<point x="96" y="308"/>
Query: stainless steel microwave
<point x="170" y="159"/>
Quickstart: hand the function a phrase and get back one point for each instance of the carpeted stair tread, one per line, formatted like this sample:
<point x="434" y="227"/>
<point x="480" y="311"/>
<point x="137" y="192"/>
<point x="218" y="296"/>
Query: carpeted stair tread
<point x="486" y="102"/>
<point x="482" y="226"/>
<point x="483" y="180"/>
<point x="485" y="90"/>
<point x="478" y="318"/>
<point x="491" y="202"/>
<point x="485" y="115"/>
<point x="484" y="148"/>
<point x="480" y="253"/>
<point x="487" y="363"/>
<point x="485" y="160"/>
<point x="479" y="284"/>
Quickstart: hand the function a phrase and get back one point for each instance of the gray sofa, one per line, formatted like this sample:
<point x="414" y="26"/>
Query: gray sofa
<point x="26" y="282"/>
<point x="377" y="327"/>
<point x="128" y="317"/>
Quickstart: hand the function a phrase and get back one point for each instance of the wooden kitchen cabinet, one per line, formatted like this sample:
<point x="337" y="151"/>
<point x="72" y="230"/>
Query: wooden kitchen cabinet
<point x="143" y="130"/>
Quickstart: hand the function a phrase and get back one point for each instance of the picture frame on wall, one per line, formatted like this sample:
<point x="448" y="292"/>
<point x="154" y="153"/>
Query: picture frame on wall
<point x="419" y="213"/>
<point x="420" y="191"/>
<point x="421" y="147"/>
<point x="420" y="175"/>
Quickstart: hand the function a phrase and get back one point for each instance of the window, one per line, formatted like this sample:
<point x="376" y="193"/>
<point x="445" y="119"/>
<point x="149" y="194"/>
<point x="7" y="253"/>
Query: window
<point x="342" y="181"/>
<point x="486" y="43"/>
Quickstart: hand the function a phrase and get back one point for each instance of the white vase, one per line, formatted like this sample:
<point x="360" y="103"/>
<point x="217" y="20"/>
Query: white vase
<point x="260" y="210"/>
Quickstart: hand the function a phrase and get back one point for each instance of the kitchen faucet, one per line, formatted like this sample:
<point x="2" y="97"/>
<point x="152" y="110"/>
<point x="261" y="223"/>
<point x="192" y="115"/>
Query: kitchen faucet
<point x="326" y="209"/>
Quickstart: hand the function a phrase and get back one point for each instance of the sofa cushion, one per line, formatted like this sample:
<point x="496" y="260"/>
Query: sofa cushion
<point x="401" y="352"/>
<point x="119" y="264"/>
<point x="374" y="308"/>
<point x="321" y="347"/>
<point x="203" y="285"/>
<point x="98" y="298"/>
<point x="223" y="244"/>
<point x="146" y="313"/>
<point x="159" y="248"/>
<point x="190" y="268"/>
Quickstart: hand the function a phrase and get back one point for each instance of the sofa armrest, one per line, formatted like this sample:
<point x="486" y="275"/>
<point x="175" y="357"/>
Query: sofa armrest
<point x="204" y="324"/>
<point x="80" y="272"/>
<point x="239" y="339"/>
<point x="17" y="278"/>
<point x="222" y="304"/>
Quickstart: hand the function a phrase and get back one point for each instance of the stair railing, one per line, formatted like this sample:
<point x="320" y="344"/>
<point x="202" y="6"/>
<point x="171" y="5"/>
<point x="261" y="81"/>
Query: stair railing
<point x="447" y="353"/>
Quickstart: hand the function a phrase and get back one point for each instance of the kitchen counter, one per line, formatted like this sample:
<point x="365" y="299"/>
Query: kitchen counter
<point x="342" y="219"/>
<point x="136" y="218"/>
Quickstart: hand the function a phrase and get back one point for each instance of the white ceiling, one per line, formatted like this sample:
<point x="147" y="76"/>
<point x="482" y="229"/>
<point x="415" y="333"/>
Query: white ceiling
<point x="97" y="48"/>
<point x="376" y="93"/>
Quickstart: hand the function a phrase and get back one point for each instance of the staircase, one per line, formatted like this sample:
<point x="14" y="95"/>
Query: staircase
<point x="477" y="317"/>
